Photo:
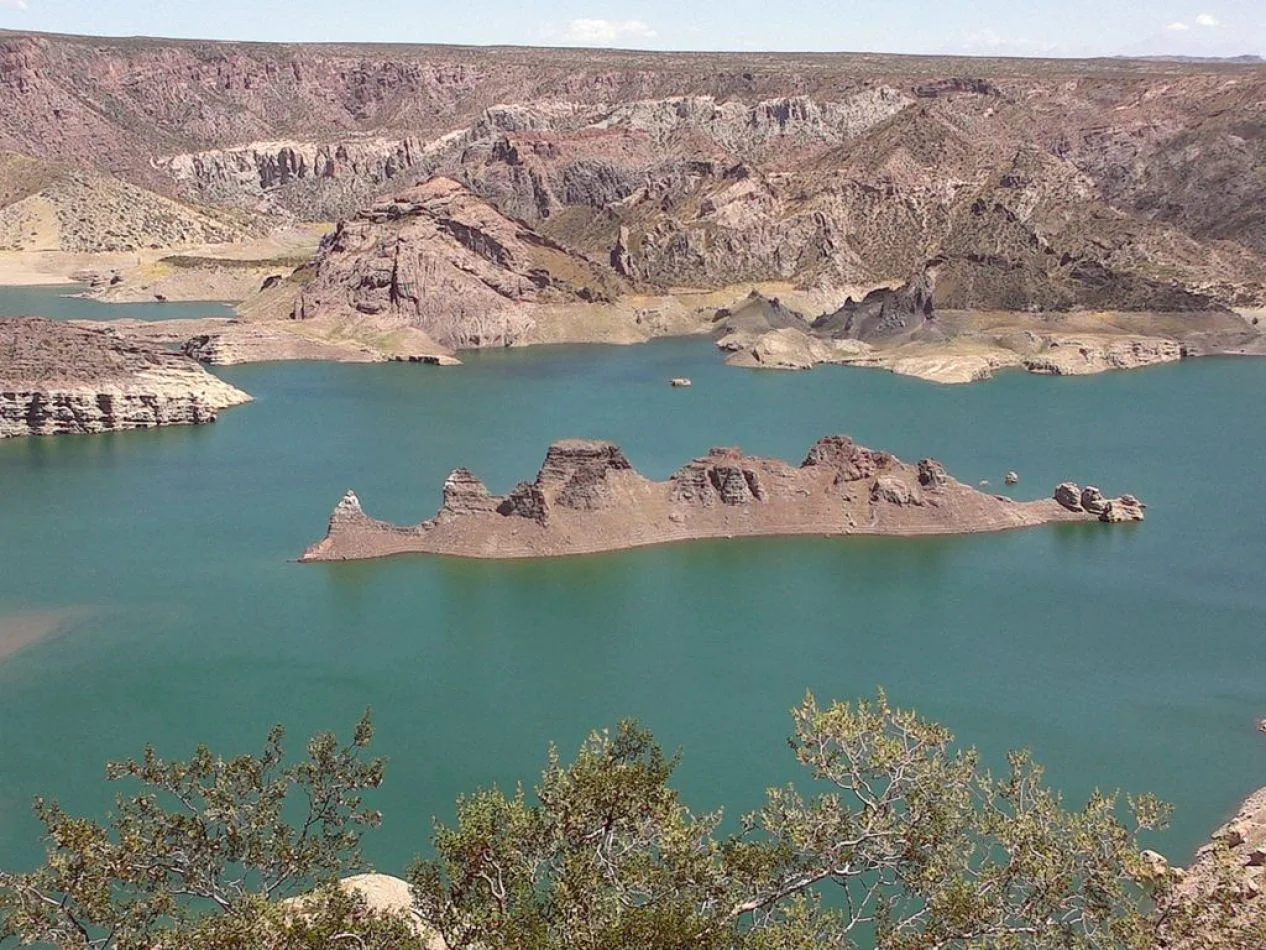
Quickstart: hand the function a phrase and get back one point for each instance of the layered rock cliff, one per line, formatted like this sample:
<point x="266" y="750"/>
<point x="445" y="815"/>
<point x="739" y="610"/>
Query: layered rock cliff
<point x="57" y="378"/>
<point x="587" y="498"/>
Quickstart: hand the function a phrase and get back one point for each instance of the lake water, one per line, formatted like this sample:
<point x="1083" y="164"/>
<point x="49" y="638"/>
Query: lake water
<point x="60" y="303"/>
<point x="1126" y="656"/>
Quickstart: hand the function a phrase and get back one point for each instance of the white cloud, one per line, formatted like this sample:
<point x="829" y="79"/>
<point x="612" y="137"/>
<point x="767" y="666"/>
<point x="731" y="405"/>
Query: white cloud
<point x="13" y="4"/>
<point x="599" y="32"/>
<point x="1178" y="27"/>
<point x="1207" y="19"/>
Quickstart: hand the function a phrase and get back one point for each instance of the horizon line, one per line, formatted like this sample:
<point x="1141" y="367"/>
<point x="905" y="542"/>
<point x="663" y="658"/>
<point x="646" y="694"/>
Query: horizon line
<point x="1240" y="59"/>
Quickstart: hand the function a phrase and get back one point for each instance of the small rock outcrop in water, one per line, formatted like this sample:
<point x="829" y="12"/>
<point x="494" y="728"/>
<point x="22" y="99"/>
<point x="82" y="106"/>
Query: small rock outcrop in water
<point x="56" y="377"/>
<point x="1092" y="501"/>
<point x="588" y="498"/>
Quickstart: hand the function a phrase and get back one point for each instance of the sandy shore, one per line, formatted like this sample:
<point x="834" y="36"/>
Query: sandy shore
<point x="31" y="268"/>
<point x="18" y="631"/>
<point x="146" y="266"/>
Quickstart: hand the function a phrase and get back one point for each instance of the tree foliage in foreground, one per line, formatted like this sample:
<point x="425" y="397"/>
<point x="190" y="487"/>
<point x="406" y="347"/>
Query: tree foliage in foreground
<point x="895" y="839"/>
<point x="206" y="854"/>
<point x="898" y="839"/>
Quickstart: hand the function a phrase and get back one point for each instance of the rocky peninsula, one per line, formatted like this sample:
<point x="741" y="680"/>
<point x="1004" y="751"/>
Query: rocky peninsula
<point x="56" y="377"/>
<point x="588" y="498"/>
<point x="899" y="329"/>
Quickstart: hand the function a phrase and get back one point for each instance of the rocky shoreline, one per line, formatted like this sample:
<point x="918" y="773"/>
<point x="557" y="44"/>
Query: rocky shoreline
<point x="965" y="359"/>
<point x="60" y="378"/>
<point x="900" y="331"/>
<point x="1217" y="901"/>
<point x="587" y="498"/>
<point x="752" y="327"/>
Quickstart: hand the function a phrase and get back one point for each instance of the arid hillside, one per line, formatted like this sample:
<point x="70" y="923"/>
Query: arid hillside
<point x="52" y="206"/>
<point x="1030" y="185"/>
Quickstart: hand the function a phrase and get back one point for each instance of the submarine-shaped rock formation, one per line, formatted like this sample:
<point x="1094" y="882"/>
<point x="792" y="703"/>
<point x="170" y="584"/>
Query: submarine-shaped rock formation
<point x="588" y="498"/>
<point x="57" y="377"/>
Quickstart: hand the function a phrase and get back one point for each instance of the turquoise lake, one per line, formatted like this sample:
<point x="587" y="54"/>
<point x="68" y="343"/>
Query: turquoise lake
<point x="61" y="303"/>
<point x="1124" y="656"/>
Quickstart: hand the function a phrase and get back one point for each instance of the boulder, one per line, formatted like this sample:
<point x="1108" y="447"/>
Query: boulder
<point x="526" y="500"/>
<point x="622" y="257"/>
<point x="894" y="491"/>
<point x="1156" y="865"/>
<point x="691" y="485"/>
<point x="932" y="474"/>
<point x="391" y="895"/>
<point x="1125" y="508"/>
<point x="567" y="457"/>
<point x="1069" y="495"/>
<point x="724" y="475"/>
<point x="852" y="461"/>
<point x="1092" y="500"/>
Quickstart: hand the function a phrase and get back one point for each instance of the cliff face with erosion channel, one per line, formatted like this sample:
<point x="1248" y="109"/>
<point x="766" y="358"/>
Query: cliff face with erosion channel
<point x="56" y="377"/>
<point x="588" y="498"/>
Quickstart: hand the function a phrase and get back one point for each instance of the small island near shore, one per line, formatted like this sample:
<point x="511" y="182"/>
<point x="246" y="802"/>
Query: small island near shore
<point x="588" y="498"/>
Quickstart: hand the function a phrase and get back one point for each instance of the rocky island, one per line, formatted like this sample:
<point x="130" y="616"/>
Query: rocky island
<point x="588" y="498"/>
<point x="56" y="377"/>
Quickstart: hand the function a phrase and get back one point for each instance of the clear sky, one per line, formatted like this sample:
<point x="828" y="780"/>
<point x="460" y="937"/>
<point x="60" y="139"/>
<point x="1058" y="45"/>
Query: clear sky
<point x="997" y="27"/>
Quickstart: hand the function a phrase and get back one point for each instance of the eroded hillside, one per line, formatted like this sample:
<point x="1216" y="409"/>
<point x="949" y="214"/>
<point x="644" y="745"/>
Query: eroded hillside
<point x="1018" y="185"/>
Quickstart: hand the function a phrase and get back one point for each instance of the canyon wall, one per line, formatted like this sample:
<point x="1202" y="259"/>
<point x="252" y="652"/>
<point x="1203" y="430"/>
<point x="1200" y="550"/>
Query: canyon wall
<point x="1030" y="185"/>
